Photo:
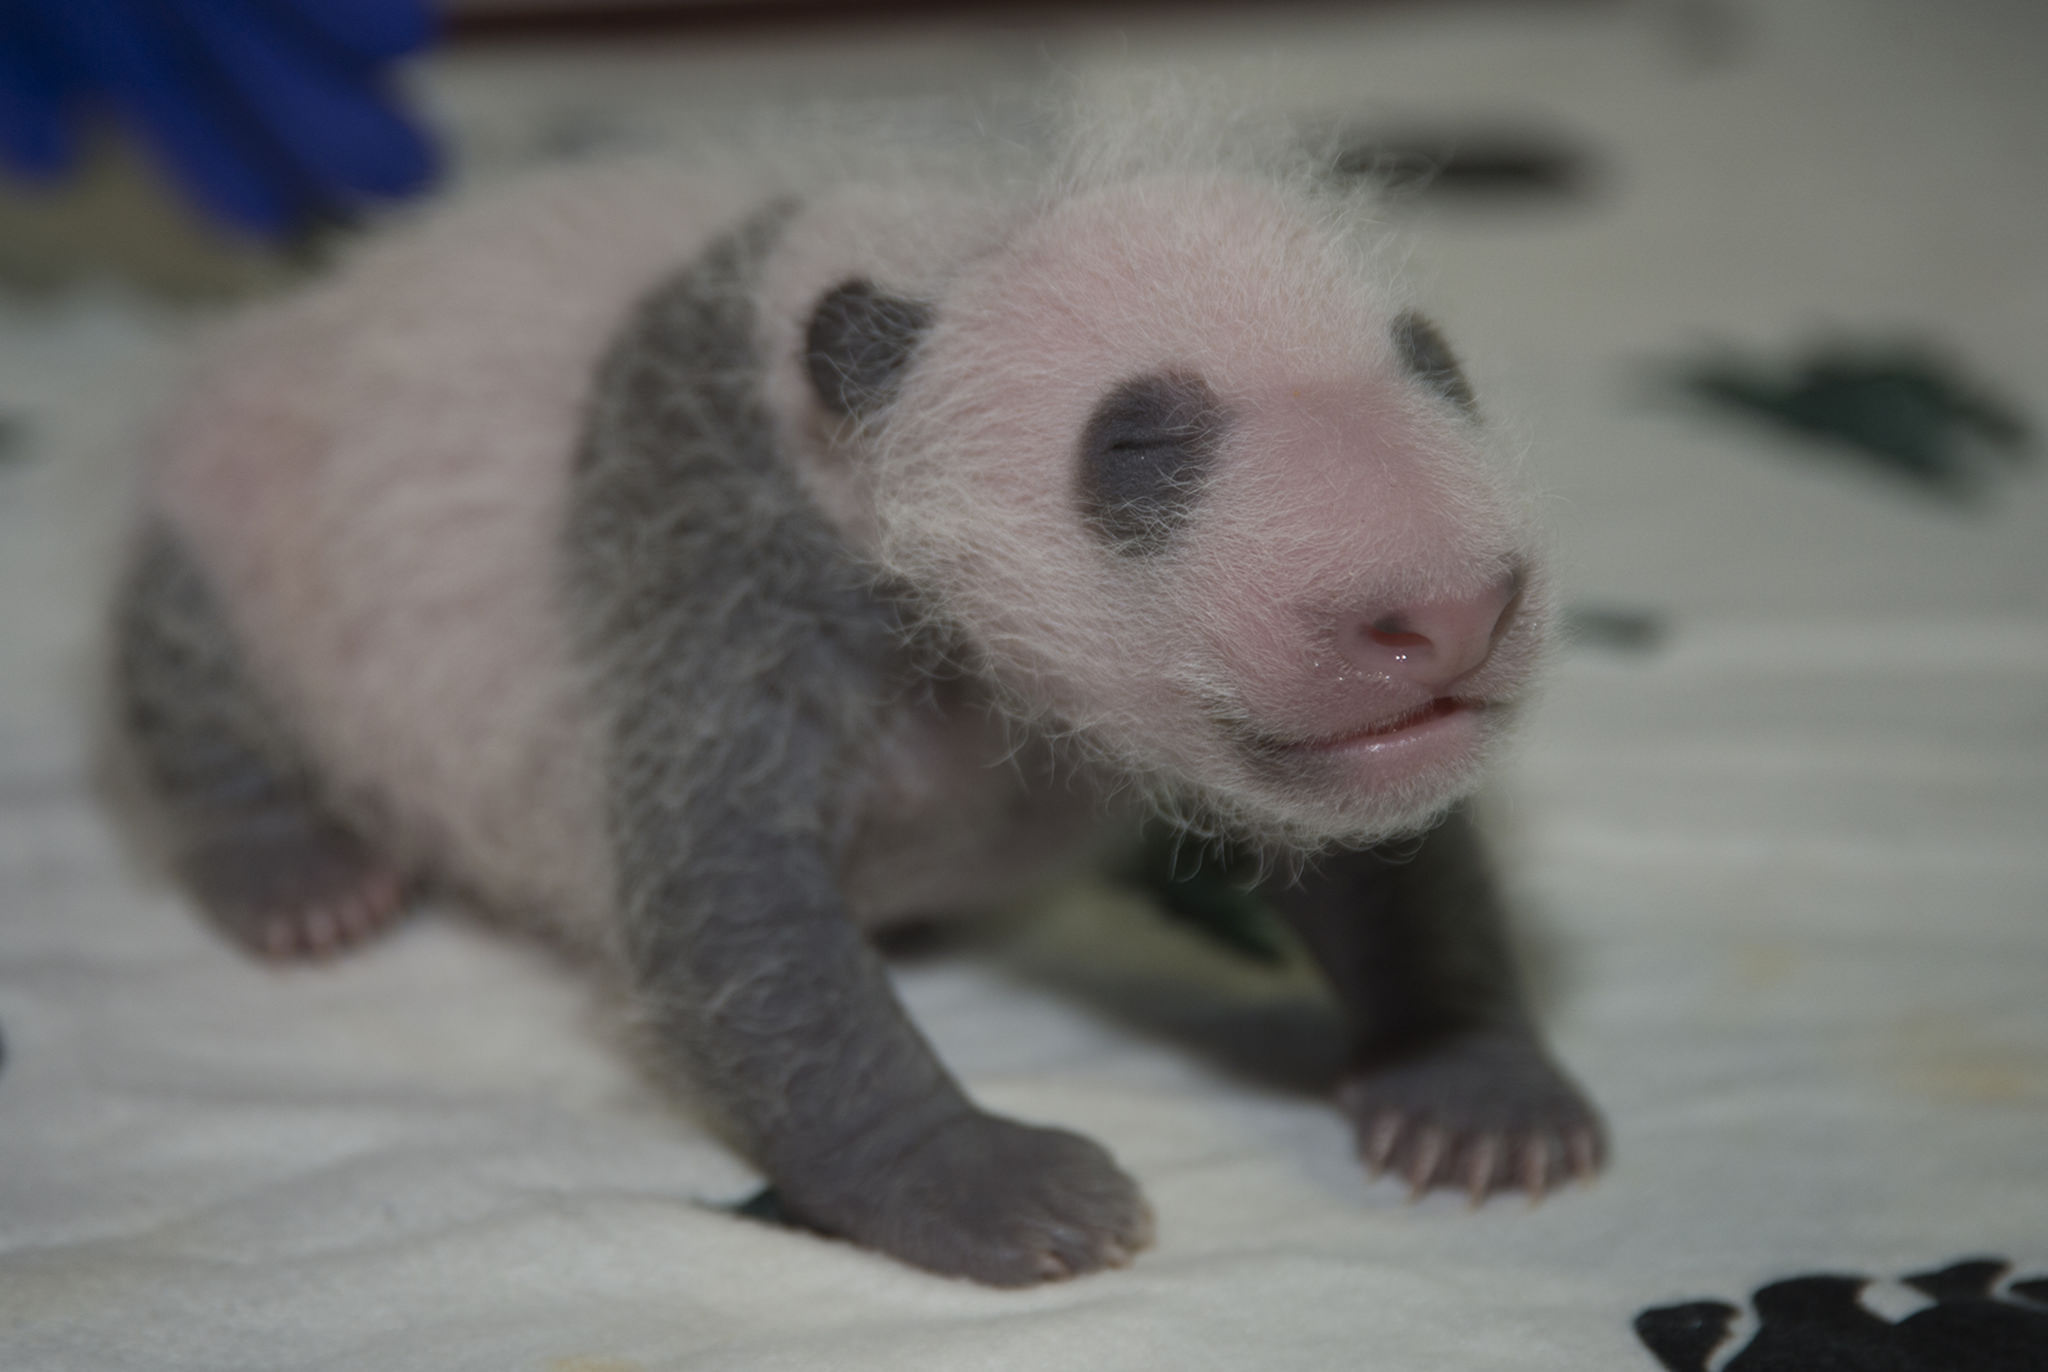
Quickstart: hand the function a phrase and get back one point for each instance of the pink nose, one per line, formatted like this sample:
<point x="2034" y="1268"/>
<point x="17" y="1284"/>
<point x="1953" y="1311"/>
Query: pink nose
<point x="1433" y="643"/>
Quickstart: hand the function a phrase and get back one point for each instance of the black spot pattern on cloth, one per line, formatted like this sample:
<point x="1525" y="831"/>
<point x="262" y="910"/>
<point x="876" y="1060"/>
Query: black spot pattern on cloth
<point x="1144" y="459"/>
<point x="1685" y="1336"/>
<point x="1472" y="165"/>
<point x="1615" y="628"/>
<point x="1900" y="410"/>
<point x="765" y="1207"/>
<point x="1817" y="1323"/>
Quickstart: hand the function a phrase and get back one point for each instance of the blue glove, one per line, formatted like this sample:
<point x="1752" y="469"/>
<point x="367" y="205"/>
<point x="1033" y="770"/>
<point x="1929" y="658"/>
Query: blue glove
<point x="270" y="113"/>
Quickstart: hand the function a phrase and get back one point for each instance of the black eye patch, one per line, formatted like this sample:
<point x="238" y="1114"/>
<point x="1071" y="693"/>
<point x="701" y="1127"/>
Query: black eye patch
<point x="1424" y="352"/>
<point x="1144" y="457"/>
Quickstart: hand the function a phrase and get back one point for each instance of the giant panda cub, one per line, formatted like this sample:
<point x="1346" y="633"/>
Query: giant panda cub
<point x="708" y="569"/>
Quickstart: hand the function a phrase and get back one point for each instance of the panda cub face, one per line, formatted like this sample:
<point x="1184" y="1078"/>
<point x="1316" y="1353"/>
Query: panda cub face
<point x="1195" y="493"/>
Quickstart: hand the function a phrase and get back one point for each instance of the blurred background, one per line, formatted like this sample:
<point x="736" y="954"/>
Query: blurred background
<point x="1759" y="286"/>
<point x="1813" y="216"/>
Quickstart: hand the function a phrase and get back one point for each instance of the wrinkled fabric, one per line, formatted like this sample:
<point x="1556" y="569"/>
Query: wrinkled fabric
<point x="1781" y="869"/>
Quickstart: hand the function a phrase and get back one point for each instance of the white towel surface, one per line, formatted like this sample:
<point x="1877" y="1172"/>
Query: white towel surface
<point x="1784" y="874"/>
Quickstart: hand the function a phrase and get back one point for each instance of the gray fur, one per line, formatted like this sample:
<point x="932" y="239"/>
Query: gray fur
<point x="1450" y="1082"/>
<point x="245" y="820"/>
<point x="741" y="661"/>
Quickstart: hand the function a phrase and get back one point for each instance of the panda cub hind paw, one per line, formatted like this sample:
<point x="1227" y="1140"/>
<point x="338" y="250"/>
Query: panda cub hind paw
<point x="1481" y="1112"/>
<point x="291" y="887"/>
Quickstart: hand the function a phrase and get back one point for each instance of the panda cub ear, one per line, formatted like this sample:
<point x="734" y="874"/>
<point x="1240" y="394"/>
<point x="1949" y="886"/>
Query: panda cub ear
<point x="1423" y="351"/>
<point x="858" y="344"/>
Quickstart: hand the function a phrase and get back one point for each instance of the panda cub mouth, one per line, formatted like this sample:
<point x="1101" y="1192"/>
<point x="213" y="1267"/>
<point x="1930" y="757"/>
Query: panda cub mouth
<point x="1443" y="707"/>
<point x="1377" y="736"/>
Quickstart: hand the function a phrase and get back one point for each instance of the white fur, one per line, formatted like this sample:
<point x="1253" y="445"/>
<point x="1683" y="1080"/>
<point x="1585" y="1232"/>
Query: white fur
<point x="374" y="476"/>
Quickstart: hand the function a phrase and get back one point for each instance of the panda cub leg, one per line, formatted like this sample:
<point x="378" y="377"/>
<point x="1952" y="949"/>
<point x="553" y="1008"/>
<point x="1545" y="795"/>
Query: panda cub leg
<point x="747" y="668"/>
<point x="247" y="832"/>
<point x="1450" y="1084"/>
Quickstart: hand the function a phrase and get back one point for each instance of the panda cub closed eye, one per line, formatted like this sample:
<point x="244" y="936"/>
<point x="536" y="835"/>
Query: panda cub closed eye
<point x="1144" y="457"/>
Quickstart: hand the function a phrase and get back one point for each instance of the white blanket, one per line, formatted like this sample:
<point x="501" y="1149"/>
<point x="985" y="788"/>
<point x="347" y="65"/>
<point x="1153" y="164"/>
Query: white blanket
<point x="1784" y="875"/>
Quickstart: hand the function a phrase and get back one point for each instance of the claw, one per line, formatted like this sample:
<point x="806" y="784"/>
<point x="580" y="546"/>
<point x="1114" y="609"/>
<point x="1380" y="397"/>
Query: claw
<point x="321" y="930"/>
<point x="1429" y="1151"/>
<point x="1479" y="1171"/>
<point x="1536" y="1169"/>
<point x="355" y="918"/>
<point x="1379" y="1144"/>
<point x="277" y="939"/>
<point x="1585" y="1154"/>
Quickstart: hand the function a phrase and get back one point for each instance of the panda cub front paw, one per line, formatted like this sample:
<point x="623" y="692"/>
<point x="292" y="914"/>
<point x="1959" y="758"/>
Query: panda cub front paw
<point x="991" y="1199"/>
